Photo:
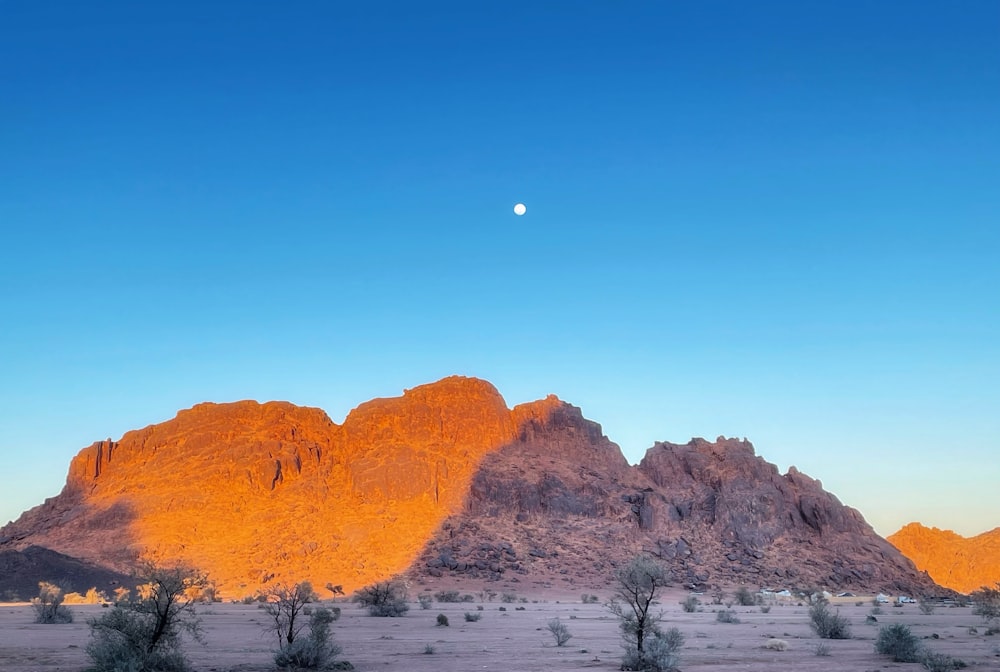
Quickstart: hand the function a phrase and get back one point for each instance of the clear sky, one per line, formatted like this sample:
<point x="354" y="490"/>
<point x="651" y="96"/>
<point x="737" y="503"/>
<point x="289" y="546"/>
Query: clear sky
<point x="776" y="220"/>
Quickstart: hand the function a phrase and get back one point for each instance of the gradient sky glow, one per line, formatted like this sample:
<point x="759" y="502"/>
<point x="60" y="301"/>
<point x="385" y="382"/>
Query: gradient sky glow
<point x="776" y="220"/>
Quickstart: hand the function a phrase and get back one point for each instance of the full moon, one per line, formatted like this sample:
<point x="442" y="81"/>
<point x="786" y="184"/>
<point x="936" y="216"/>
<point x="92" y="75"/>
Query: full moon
<point x="519" y="209"/>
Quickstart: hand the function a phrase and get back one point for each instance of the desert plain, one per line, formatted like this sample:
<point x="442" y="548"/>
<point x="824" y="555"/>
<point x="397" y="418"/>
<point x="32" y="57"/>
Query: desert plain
<point x="514" y="636"/>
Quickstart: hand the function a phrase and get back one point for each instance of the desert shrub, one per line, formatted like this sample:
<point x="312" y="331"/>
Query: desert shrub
<point x="636" y="586"/>
<point x="429" y="649"/>
<point x="589" y="599"/>
<point x="776" y="645"/>
<point x="765" y="608"/>
<point x="876" y="611"/>
<point x="718" y="595"/>
<point x="986" y="602"/>
<point x="386" y="598"/>
<point x="939" y="662"/>
<point x="315" y="650"/>
<point x="425" y="601"/>
<point x="898" y="642"/>
<point x="822" y="650"/>
<point x="468" y="597"/>
<point x="926" y="607"/>
<point x="559" y="631"/>
<point x="828" y="625"/>
<point x="508" y="597"/>
<point x="689" y="604"/>
<point x="871" y="620"/>
<point x="726" y="616"/>
<point x="472" y="617"/>
<point x="447" y="596"/>
<point x="48" y="605"/>
<point x="144" y="634"/>
<point x="744" y="597"/>
<point x="658" y="655"/>
<point x="442" y="620"/>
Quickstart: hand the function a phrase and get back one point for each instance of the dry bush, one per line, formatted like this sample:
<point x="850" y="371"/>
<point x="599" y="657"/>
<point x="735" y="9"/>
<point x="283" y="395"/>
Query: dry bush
<point x="828" y="625"/>
<point x="48" y="605"/>
<point x="559" y="631"/>
<point x="689" y="604"/>
<point x="898" y="642"/>
<point x="776" y="645"/>
<point x="727" y="616"/>
<point x="144" y="633"/>
<point x="386" y="598"/>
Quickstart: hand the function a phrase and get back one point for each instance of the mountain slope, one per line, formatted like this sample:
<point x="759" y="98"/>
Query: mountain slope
<point x="961" y="563"/>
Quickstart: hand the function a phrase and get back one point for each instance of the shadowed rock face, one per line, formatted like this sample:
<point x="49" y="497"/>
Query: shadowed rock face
<point x="445" y="480"/>
<point x="962" y="563"/>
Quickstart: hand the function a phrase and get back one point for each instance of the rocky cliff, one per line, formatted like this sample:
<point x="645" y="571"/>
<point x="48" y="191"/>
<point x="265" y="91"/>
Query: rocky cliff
<point x="445" y="482"/>
<point x="962" y="563"/>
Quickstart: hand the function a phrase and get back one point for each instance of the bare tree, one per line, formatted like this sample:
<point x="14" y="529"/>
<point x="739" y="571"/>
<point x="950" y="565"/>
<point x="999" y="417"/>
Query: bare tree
<point x="285" y="605"/>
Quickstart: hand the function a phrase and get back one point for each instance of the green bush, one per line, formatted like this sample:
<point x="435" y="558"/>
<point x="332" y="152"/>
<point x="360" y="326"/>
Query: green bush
<point x="898" y="642"/>
<point x="589" y="599"/>
<point x="508" y="597"/>
<point x="689" y="604"/>
<point x="828" y="625"/>
<point x="442" y="620"/>
<point x="447" y="596"/>
<point x="472" y="617"/>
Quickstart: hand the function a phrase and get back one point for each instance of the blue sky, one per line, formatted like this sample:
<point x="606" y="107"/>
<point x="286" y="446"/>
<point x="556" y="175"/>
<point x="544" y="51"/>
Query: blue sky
<point x="775" y="220"/>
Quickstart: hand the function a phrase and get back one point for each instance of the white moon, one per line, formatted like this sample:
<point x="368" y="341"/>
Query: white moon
<point x="519" y="209"/>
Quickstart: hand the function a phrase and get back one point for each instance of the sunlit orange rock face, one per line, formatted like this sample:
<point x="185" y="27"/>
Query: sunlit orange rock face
<point x="252" y="492"/>
<point x="962" y="563"/>
<point x="444" y="484"/>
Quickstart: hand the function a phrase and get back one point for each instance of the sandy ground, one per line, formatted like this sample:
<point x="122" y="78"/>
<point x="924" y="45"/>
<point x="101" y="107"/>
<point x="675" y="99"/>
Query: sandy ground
<point x="519" y="640"/>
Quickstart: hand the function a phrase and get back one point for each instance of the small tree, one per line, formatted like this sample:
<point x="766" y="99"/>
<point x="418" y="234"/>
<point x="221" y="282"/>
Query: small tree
<point x="48" y="605"/>
<point x="285" y="605"/>
<point x="143" y="634"/>
<point x="559" y="631"/>
<point x="386" y="598"/>
<point x="636" y="586"/>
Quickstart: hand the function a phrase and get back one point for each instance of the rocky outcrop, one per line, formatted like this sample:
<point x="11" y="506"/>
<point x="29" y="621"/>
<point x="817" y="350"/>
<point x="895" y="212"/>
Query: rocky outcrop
<point x="962" y="563"/>
<point x="445" y="481"/>
<point x="565" y="508"/>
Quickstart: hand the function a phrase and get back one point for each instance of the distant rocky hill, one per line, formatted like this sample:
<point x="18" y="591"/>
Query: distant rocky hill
<point x="446" y="483"/>
<point x="961" y="563"/>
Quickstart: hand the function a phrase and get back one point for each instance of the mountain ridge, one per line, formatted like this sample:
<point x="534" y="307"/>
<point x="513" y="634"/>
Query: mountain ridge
<point x="445" y="481"/>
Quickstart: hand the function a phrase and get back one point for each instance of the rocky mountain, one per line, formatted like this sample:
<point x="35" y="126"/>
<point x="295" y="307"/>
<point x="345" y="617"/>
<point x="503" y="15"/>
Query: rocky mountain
<point x="962" y="563"/>
<point x="445" y="483"/>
